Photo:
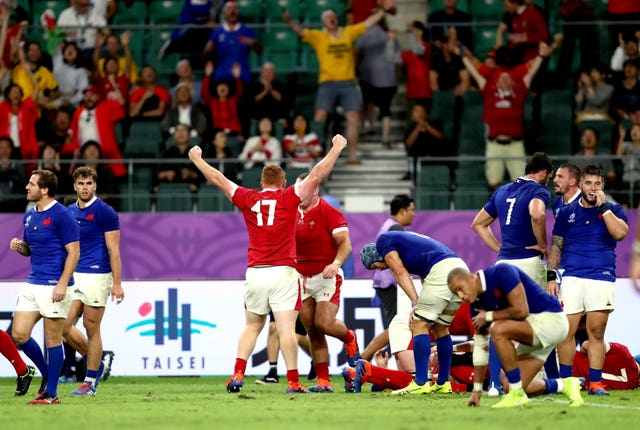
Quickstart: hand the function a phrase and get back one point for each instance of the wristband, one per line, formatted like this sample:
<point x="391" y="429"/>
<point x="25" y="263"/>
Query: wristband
<point x="477" y="386"/>
<point x="488" y="316"/>
<point x="337" y="262"/>
<point x="552" y="275"/>
<point x="604" y="208"/>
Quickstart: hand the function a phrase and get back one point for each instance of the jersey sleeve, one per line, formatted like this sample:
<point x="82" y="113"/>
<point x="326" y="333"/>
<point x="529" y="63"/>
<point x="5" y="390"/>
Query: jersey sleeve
<point x="490" y="207"/>
<point x="240" y="196"/>
<point x="507" y="278"/>
<point x="355" y="31"/>
<point x="383" y="245"/>
<point x="68" y="227"/>
<point x="560" y="228"/>
<point x="619" y="212"/>
<point x="543" y="194"/>
<point x="111" y="222"/>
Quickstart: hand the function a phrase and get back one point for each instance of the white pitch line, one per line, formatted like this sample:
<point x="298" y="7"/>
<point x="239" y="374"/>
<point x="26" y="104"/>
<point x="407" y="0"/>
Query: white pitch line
<point x="597" y="405"/>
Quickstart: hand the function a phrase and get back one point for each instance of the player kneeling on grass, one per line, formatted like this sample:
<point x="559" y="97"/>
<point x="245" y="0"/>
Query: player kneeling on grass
<point x="509" y="306"/>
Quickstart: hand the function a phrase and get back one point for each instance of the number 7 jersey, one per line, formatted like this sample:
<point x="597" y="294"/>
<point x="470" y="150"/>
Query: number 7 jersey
<point x="270" y="215"/>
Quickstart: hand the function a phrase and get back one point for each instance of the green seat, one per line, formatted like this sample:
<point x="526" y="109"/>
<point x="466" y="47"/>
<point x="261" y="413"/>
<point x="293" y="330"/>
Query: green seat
<point x="167" y="65"/>
<point x="484" y="38"/>
<point x="312" y="10"/>
<point x="487" y="10"/>
<point x="137" y="44"/>
<point x="472" y="129"/>
<point x="26" y="5"/>
<point x="309" y="60"/>
<point x="136" y="199"/>
<point x="174" y="198"/>
<point x="470" y="197"/>
<point x="143" y="140"/>
<point x="250" y="10"/>
<point x="164" y="11"/>
<point x="436" y="5"/>
<point x="433" y="187"/>
<point x="235" y="144"/>
<point x="134" y="13"/>
<point x="442" y="110"/>
<point x="603" y="127"/>
<point x="273" y="9"/>
<point x="251" y="177"/>
<point x="211" y="199"/>
<point x="40" y="6"/>
<point x="292" y="173"/>
<point x="281" y="49"/>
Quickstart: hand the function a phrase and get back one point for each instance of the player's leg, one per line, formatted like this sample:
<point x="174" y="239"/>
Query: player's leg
<point x="92" y="320"/>
<point x="53" y="329"/>
<point x="285" y="325"/>
<point x="596" y="326"/>
<point x="273" y="349"/>
<point x="567" y="348"/>
<point x="318" y="343"/>
<point x="572" y="296"/>
<point x="25" y="373"/>
<point x="24" y="319"/>
<point x="503" y="333"/>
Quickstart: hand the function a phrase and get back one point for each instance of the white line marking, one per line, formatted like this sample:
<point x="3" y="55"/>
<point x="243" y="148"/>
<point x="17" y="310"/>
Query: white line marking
<point x="597" y="405"/>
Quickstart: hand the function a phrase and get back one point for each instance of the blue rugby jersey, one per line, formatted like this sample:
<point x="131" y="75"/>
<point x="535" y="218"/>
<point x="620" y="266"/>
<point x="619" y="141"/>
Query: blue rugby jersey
<point x="510" y="204"/>
<point x="419" y="253"/>
<point x="588" y="250"/>
<point x="47" y="233"/>
<point x="94" y="221"/>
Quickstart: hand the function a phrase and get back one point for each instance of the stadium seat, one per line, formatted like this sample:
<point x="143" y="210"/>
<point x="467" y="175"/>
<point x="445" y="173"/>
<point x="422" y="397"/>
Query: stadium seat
<point x="435" y="5"/>
<point x="433" y="187"/>
<point x="472" y="130"/>
<point x="309" y="60"/>
<point x="292" y="173"/>
<point x="470" y="198"/>
<point x="211" y="199"/>
<point x="40" y="6"/>
<point x="281" y="48"/>
<point x="312" y="10"/>
<point x="143" y="140"/>
<point x="250" y="10"/>
<point x="133" y="13"/>
<point x="137" y="45"/>
<point x="235" y="144"/>
<point x="603" y="127"/>
<point x="164" y="11"/>
<point x="251" y="177"/>
<point x="26" y="5"/>
<point x="174" y="198"/>
<point x="167" y="65"/>
<point x="442" y="110"/>
<point x="136" y="199"/>
<point x="273" y="9"/>
<point x="142" y="176"/>
<point x="487" y="10"/>
<point x="484" y="37"/>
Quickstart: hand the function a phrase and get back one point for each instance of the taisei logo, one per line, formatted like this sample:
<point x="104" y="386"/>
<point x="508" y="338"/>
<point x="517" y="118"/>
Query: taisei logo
<point x="171" y="325"/>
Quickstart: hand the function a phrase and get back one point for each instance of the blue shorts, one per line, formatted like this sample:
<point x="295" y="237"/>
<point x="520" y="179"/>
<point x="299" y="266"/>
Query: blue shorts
<point x="343" y="93"/>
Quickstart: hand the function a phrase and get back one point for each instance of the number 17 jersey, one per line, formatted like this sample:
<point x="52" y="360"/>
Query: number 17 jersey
<point x="270" y="215"/>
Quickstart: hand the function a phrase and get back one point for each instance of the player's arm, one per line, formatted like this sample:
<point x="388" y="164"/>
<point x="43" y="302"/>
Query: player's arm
<point x="70" y="263"/>
<point x="553" y="261"/>
<point x="635" y="260"/>
<point x="213" y="175"/>
<point x="112" y="239"/>
<point x="342" y="239"/>
<point x="20" y="246"/>
<point x="403" y="278"/>
<point x="537" y="211"/>
<point x="297" y="28"/>
<point x="616" y="227"/>
<point x="320" y="171"/>
<point x="481" y="225"/>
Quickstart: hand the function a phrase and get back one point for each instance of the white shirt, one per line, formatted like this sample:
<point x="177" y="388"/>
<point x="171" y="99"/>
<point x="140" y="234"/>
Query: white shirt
<point x="184" y="115"/>
<point x="70" y="79"/>
<point x="87" y="127"/>
<point x="15" y="130"/>
<point x="84" y="37"/>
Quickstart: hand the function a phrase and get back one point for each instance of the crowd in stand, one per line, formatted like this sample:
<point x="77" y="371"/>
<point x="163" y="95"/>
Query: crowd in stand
<point x="81" y="85"/>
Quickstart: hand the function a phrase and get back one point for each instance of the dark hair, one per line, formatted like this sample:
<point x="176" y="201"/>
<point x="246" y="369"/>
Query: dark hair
<point x="400" y="201"/>
<point x="47" y="179"/>
<point x="10" y="87"/>
<point x="106" y="60"/>
<point x="596" y="133"/>
<point x="539" y="161"/>
<point x="592" y="170"/>
<point x="87" y="144"/>
<point x="66" y="44"/>
<point x="7" y="139"/>
<point x="85" y="172"/>
<point x="418" y="25"/>
<point x="574" y="171"/>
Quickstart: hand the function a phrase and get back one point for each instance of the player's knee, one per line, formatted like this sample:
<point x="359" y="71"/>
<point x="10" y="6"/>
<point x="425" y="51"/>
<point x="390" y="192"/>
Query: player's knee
<point x="18" y="337"/>
<point x="499" y="329"/>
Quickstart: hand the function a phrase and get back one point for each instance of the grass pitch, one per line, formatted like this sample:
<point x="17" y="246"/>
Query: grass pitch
<point x="203" y="403"/>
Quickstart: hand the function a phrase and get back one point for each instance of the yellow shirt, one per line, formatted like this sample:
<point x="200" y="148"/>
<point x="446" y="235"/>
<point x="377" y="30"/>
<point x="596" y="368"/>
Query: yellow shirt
<point x="335" y="55"/>
<point x="122" y="62"/>
<point x="43" y="76"/>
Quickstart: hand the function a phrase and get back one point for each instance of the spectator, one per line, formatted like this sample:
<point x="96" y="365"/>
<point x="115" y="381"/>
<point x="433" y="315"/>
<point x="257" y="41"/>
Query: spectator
<point x="626" y="93"/>
<point x="107" y="9"/>
<point x="18" y="116"/>
<point x="173" y="172"/>
<point x="377" y="76"/>
<point x="184" y="112"/>
<point x="263" y="149"/>
<point x="12" y="178"/>
<point x="424" y="138"/>
<point x="230" y="44"/>
<point x="50" y="160"/>
<point x="269" y="97"/>
<point x="629" y="151"/>
<point x="55" y="132"/>
<point x="527" y="28"/>
<point x="361" y="9"/>
<point x="504" y="102"/>
<point x="589" y="155"/>
<point x="578" y="17"/>
<point x="184" y="74"/>
<point x="149" y="101"/>
<point x="80" y="23"/>
<point x="114" y="45"/>
<point x="628" y="49"/>
<point x="302" y="146"/>
<point x="112" y="86"/>
<point x="337" y="67"/>
<point x="91" y="155"/>
<point x="224" y="106"/>
<point x="97" y="120"/>
<point x="622" y="10"/>
<point x="14" y="23"/>
<point x="31" y="75"/>
<point x="594" y="94"/>
<point x="71" y="76"/>
<point x="219" y="155"/>
<point x="440" y="21"/>
<point x="417" y="62"/>
<point x="190" y="41"/>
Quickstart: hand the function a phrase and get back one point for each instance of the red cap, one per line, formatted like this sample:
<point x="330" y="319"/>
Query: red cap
<point x="91" y="88"/>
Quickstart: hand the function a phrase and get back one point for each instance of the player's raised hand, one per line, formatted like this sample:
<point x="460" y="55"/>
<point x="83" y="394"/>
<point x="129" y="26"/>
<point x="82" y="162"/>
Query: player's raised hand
<point x="339" y="141"/>
<point x="195" y="153"/>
